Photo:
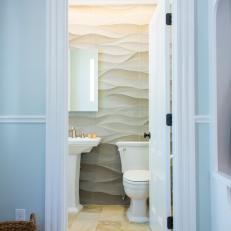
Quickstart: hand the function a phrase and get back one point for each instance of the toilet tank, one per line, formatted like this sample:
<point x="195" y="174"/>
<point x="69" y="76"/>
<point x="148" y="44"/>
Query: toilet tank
<point x="134" y="155"/>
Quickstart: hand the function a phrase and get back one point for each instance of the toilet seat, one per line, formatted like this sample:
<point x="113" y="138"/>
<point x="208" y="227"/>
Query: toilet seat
<point x="137" y="176"/>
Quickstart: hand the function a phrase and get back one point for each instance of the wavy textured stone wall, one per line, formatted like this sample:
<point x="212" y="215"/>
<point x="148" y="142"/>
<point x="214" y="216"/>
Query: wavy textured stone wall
<point x="120" y="33"/>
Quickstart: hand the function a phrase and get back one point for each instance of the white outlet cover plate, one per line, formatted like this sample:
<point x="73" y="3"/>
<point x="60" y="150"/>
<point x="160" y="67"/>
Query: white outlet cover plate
<point x="20" y="214"/>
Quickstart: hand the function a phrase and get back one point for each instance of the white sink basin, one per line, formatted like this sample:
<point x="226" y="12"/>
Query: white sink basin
<point x="79" y="145"/>
<point x="76" y="147"/>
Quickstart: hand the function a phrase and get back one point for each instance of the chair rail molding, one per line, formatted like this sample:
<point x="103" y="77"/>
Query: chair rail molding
<point x="202" y="119"/>
<point x="18" y="119"/>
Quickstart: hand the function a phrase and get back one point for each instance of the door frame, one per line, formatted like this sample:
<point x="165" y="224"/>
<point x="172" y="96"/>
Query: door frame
<point x="184" y="164"/>
<point x="184" y="119"/>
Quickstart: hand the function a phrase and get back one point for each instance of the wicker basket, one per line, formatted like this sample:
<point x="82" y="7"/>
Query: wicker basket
<point x="19" y="225"/>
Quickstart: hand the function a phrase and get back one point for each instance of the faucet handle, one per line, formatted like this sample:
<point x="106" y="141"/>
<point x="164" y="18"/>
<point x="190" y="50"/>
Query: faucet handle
<point x="72" y="132"/>
<point x="82" y="135"/>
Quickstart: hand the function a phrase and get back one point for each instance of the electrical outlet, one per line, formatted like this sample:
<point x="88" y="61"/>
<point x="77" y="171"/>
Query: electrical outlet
<point x="20" y="214"/>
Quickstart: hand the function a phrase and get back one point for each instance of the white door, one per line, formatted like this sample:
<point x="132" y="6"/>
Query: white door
<point x="159" y="106"/>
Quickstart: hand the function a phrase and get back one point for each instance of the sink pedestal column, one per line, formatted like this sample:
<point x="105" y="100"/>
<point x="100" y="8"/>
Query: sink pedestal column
<point x="72" y="176"/>
<point x="76" y="147"/>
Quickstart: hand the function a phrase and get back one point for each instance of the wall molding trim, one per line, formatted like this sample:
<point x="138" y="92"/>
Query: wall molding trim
<point x="25" y="119"/>
<point x="202" y="119"/>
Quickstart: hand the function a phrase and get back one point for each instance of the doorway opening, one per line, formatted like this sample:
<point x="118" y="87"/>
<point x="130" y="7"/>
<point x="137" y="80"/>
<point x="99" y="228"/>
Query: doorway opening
<point x="57" y="118"/>
<point x="112" y="97"/>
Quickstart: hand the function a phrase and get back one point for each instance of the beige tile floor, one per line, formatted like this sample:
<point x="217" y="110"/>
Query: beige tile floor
<point x="103" y="218"/>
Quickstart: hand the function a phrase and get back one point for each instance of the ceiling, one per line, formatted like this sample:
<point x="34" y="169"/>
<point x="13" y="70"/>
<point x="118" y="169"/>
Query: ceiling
<point x="112" y="2"/>
<point x="95" y="15"/>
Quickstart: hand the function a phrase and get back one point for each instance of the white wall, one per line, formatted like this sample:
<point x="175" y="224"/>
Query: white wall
<point x="221" y="204"/>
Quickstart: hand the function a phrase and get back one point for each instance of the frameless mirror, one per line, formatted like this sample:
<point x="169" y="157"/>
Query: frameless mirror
<point x="83" y="80"/>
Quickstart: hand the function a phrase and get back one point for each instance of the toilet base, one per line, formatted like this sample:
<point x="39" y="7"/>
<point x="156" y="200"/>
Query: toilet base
<point x="137" y="211"/>
<point x="134" y="219"/>
<point x="74" y="210"/>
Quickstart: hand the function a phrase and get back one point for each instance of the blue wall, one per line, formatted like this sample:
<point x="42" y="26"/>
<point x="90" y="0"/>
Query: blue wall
<point x="22" y="57"/>
<point x="202" y="80"/>
<point x="22" y="170"/>
<point x="203" y="178"/>
<point x="202" y="108"/>
<point x="22" y="92"/>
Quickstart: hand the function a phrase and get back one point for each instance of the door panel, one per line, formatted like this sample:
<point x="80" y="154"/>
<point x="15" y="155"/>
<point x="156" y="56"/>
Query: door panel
<point x="159" y="85"/>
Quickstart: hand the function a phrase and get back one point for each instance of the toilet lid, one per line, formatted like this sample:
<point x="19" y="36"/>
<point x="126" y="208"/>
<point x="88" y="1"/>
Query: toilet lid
<point x="137" y="175"/>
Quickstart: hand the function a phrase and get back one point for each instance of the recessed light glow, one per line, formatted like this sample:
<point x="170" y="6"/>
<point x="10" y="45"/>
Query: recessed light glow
<point x="92" y="80"/>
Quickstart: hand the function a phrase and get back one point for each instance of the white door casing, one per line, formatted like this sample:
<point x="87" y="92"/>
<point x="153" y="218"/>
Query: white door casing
<point x="56" y="115"/>
<point x="183" y="106"/>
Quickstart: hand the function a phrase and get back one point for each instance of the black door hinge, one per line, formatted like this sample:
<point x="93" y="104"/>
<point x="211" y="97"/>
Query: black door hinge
<point x="169" y="119"/>
<point x="169" y="19"/>
<point x="170" y="222"/>
<point x="147" y="135"/>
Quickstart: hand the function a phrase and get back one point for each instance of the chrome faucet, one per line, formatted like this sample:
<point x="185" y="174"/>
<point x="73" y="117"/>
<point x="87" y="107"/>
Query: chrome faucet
<point x="72" y="132"/>
<point x="82" y="135"/>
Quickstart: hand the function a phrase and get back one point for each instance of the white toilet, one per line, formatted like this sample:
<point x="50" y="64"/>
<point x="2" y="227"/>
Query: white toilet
<point x="135" y="167"/>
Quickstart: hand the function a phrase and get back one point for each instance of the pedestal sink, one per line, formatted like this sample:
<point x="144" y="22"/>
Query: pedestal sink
<point x="76" y="147"/>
